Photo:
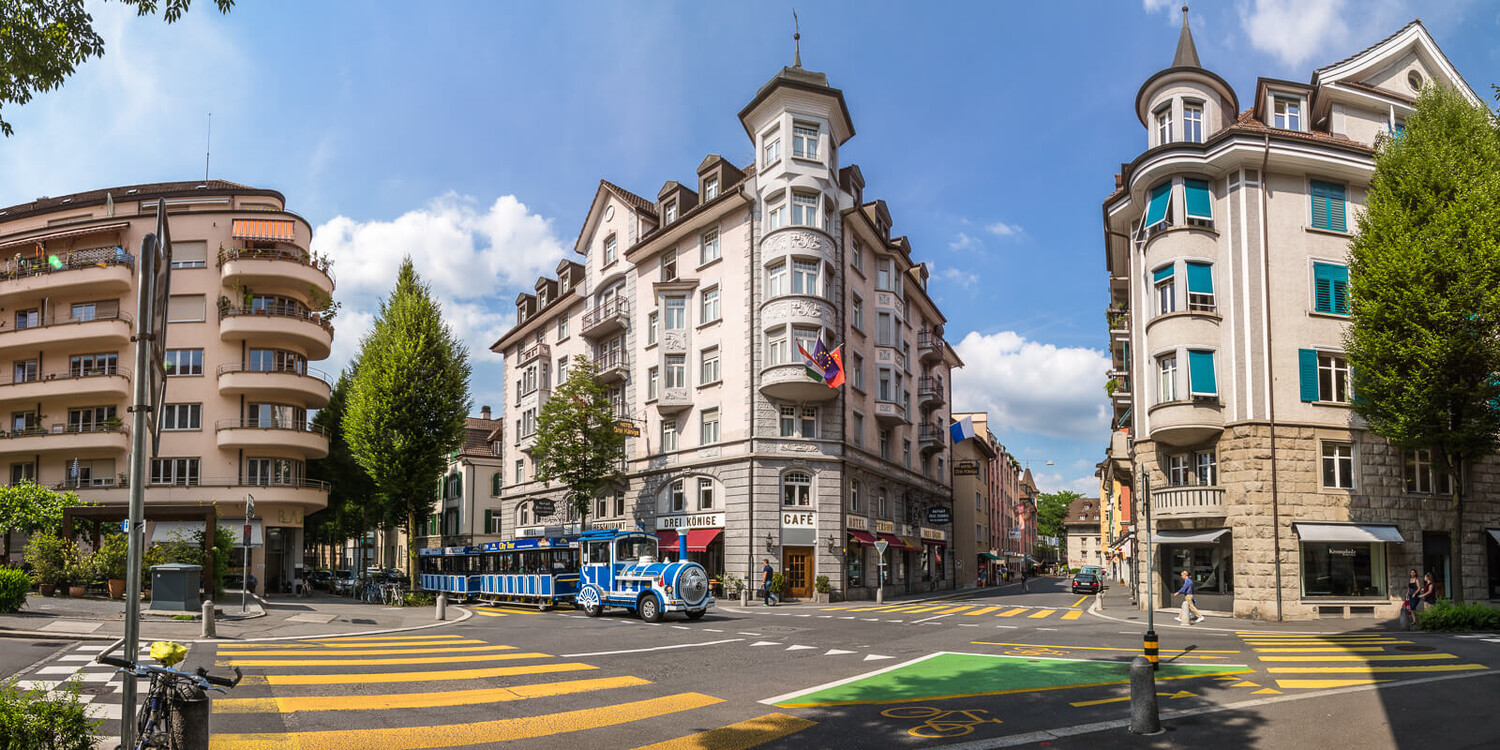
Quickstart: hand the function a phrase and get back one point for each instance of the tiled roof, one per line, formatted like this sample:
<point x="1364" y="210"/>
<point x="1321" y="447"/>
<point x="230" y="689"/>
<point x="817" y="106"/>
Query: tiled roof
<point x="1414" y="22"/>
<point x="648" y="237"/>
<point x="631" y="198"/>
<point x="1248" y="123"/>
<point x="132" y="193"/>
<point x="477" y="435"/>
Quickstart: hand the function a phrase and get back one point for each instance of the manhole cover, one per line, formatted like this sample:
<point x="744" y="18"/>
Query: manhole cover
<point x="1414" y="647"/>
<point x="776" y="629"/>
<point x="361" y="621"/>
<point x="96" y="689"/>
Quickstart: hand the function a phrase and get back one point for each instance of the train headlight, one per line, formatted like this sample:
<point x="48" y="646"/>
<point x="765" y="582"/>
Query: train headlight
<point x="692" y="584"/>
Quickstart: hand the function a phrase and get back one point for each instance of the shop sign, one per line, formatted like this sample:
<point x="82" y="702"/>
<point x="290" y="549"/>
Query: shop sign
<point x="937" y="535"/>
<point x="619" y="525"/>
<point x="798" y="519"/>
<point x="627" y="428"/>
<point x="857" y="522"/>
<point x="966" y="469"/>
<point x="885" y="527"/>
<point x="939" y="515"/>
<point x="1341" y="552"/>
<point x="543" y="507"/>
<point x="698" y="521"/>
<point x="530" y="531"/>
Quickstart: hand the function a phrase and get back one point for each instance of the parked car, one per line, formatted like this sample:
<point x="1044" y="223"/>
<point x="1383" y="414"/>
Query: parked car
<point x="322" y="578"/>
<point x="343" y="582"/>
<point x="1088" y="583"/>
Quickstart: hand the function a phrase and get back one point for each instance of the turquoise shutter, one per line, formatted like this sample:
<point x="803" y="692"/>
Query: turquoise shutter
<point x="1328" y="206"/>
<point x="1161" y="274"/>
<point x="1198" y="204"/>
<point x="1307" y="369"/>
<point x="1161" y="195"/>
<point x="1331" y="288"/>
<point x="1340" y="283"/>
<point x="1201" y="373"/>
<point x="1200" y="278"/>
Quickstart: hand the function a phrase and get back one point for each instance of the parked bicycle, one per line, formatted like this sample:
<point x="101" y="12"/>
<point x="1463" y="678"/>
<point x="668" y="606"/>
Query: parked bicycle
<point x="154" y="724"/>
<point x="393" y="594"/>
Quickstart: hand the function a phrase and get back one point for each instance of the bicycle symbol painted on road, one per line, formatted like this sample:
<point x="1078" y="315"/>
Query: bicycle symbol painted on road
<point x="940" y="723"/>
<point x="1035" y="651"/>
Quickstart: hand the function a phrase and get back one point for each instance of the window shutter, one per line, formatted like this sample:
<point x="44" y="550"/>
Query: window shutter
<point x="1328" y="206"/>
<point x="1201" y="378"/>
<point x="1161" y="274"/>
<point x="1340" y="283"/>
<point x="1331" y="288"/>
<point x="489" y="522"/>
<point x="1307" y="367"/>
<point x="1156" y="211"/>
<point x="1199" y="206"/>
<point x="1200" y="278"/>
<point x="495" y="485"/>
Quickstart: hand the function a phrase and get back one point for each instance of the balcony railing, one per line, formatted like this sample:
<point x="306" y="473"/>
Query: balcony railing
<point x="616" y="309"/>
<point x="611" y="361"/>
<point x="69" y="374"/>
<point x="1119" y="320"/>
<point x="1188" y="501"/>
<point x="930" y="388"/>
<point x="928" y="432"/>
<point x="309" y="372"/>
<point x="98" y="257"/>
<point x="296" y="312"/>
<point x="63" y="429"/>
<point x="92" y="483"/>
<point x="301" y="483"/>
<point x="270" y="424"/>
<point x="537" y="349"/>
<point x="930" y="345"/>
<point x="284" y="254"/>
<point x="63" y="320"/>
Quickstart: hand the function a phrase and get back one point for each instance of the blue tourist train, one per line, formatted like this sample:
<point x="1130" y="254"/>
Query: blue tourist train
<point x="623" y="569"/>
<point x="538" y="571"/>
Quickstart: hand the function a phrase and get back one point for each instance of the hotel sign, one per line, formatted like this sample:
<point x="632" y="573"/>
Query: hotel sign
<point x="937" y="535"/>
<point x="857" y="522"/>
<point x="697" y="521"/>
<point x="531" y="531"/>
<point x="627" y="428"/>
<point x="966" y="469"/>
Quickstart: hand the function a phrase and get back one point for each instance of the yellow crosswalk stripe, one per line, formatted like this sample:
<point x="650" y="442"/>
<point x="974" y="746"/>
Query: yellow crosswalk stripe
<point x="923" y="609"/>
<point x="236" y="662"/>
<point x="956" y="609"/>
<point x="451" y="735"/>
<point x="240" y="647"/>
<point x="507" y="611"/>
<point x="388" y="637"/>
<point x="1167" y="652"/>
<point x="372" y="651"/>
<point x="434" y="676"/>
<point x="293" y="704"/>
<point x="984" y="611"/>
<point x="1359" y="657"/>
<point x="486" y="613"/>
<point x="1075" y="614"/>
<point x="738" y="736"/>
<point x="1267" y="691"/>
<point x="1012" y="612"/>
<point x="1040" y="614"/>
<point x="1376" y="669"/>
<point x="1318" y="684"/>
<point x="1319" y="649"/>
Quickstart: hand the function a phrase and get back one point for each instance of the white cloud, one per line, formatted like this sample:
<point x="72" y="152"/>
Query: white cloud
<point x="1033" y="387"/>
<point x="1292" y="31"/>
<point x="1001" y="229"/>
<point x="960" y="277"/>
<point x="1153" y="6"/>
<point x="964" y="242"/>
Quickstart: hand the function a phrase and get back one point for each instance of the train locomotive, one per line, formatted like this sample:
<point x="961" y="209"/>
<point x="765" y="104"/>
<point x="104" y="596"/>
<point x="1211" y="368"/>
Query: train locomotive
<point x="623" y="569"/>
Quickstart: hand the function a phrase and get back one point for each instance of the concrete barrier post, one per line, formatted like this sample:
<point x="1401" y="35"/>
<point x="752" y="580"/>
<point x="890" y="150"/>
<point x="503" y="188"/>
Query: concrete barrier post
<point x="1144" y="715"/>
<point x="189" y="708"/>
<point x="208" y="620"/>
<point x="442" y="605"/>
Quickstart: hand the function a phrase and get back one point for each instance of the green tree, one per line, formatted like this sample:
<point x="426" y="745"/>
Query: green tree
<point x="576" y="442"/>
<point x="408" y="402"/>
<point x="1424" y="292"/>
<point x="1052" y="515"/>
<point x="42" y="42"/>
<point x="28" y="507"/>
<point x="352" y="503"/>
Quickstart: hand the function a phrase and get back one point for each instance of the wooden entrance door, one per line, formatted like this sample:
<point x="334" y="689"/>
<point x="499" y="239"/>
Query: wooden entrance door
<point x="796" y="564"/>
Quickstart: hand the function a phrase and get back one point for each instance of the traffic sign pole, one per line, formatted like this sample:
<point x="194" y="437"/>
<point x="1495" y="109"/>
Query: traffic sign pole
<point x="137" y="526"/>
<point x="880" y="547"/>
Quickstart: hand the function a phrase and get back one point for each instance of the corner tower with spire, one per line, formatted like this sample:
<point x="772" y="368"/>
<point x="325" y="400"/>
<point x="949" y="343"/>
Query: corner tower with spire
<point x="1185" y="102"/>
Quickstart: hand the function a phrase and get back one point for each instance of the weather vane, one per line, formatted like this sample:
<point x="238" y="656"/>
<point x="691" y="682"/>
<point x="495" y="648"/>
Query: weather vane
<point x="796" y="39"/>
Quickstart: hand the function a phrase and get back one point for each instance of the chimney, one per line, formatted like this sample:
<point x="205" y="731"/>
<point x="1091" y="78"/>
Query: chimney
<point x="484" y="412"/>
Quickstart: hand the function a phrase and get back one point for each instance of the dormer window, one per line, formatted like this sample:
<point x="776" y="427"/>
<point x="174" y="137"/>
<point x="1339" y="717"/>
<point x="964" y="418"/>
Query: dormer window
<point x="805" y="140"/>
<point x="669" y="214"/>
<point x="562" y="284"/>
<point x="1192" y="122"/>
<point x="541" y="298"/>
<point x="1287" y="113"/>
<point x="710" y="188"/>
<point x="1164" y="125"/>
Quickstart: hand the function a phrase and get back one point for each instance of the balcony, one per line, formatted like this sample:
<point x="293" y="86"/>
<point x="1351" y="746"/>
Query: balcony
<point x="277" y="323"/>
<point x="612" y="367"/>
<point x="310" y="494"/>
<point x="66" y="437"/>
<point x="1187" y="502"/>
<point x="930" y="438"/>
<point x="309" y="438"/>
<point x="537" y="349"/>
<point x="1186" y="422"/>
<point x="606" y="319"/>
<point x="1119" y="323"/>
<point x="790" y="382"/>
<point x="930" y="392"/>
<point x="891" y="414"/>
<point x="103" y="331"/>
<point x="275" y="270"/>
<point x="930" y="346"/>
<point x="103" y="271"/>
<point x="309" y="386"/>
<point x="112" y="383"/>
<point x="1118" y="386"/>
<point x="673" y="400"/>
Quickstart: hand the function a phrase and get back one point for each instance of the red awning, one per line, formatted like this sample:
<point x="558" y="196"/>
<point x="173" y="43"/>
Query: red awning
<point x="263" y="229"/>
<point x="894" y="541"/>
<point x="935" y="542"/>
<point x="862" y="537"/>
<point x="667" y="538"/>
<point x="699" y="539"/>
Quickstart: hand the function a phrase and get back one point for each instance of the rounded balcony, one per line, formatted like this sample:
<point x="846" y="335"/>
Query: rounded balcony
<point x="66" y="438"/>
<point x="310" y="439"/>
<point x="98" y="330"/>
<point x="790" y="382"/>
<point x="278" y="271"/>
<point x="278" y="323"/>
<point x="797" y="309"/>
<point x="1173" y="243"/>
<point x="308" y="494"/>
<point x="310" y="387"/>
<point x="105" y="272"/>
<point x="1188" y="328"/>
<point x="1187" y="422"/>
<point x="797" y="240"/>
<point x="111" y="384"/>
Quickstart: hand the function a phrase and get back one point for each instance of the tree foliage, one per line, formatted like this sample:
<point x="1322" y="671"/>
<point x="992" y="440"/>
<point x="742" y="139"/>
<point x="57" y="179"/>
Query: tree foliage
<point x="1424" y="289"/>
<point x="1052" y="514"/>
<point x="352" y="504"/>
<point x="576" y="442"/>
<point x="408" y="401"/>
<point x="28" y="507"/>
<point x="42" y="42"/>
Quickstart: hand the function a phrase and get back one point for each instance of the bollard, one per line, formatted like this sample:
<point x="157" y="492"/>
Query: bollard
<point x="1144" y="717"/>
<point x="1099" y="599"/>
<point x="1152" y="649"/>
<point x="189" y="710"/>
<point x="442" y="605"/>
<point x="208" y="620"/>
<point x="745" y="597"/>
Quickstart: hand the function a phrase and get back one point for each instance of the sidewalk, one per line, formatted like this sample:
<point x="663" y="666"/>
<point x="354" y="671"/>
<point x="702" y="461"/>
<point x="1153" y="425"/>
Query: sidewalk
<point x="1115" y="605"/>
<point x="284" y="617"/>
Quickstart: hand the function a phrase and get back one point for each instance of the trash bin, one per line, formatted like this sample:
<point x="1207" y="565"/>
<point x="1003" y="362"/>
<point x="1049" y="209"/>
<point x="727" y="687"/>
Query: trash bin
<point x="174" y="587"/>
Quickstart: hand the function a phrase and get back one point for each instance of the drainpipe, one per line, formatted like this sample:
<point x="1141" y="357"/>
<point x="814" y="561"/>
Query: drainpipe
<point x="1265" y="287"/>
<point x="746" y="597"/>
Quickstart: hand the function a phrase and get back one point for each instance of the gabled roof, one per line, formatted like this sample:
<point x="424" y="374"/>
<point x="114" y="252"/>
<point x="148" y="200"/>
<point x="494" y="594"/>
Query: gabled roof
<point x="1413" y="37"/>
<point x="609" y="188"/>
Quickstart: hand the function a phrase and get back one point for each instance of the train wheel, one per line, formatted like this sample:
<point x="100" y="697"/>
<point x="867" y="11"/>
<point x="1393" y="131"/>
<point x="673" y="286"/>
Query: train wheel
<point x="588" y="600"/>
<point x="696" y="614"/>
<point x="543" y="605"/>
<point x="650" y="608"/>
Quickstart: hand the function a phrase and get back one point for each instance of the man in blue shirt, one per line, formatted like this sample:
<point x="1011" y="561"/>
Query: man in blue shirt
<point x="1187" y="601"/>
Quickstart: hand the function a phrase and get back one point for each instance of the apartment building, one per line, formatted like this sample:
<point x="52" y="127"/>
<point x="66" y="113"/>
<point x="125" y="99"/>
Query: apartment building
<point x="1227" y="249"/>
<point x="1004" y="512"/>
<point x="467" y="510"/>
<point x="1082" y="523"/>
<point x="243" y="327"/>
<point x="694" y="306"/>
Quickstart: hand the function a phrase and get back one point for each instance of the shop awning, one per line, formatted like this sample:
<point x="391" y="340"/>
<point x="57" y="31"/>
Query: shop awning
<point x="668" y="538"/>
<point x="989" y="556"/>
<point x="699" y="539"/>
<point x="893" y="540"/>
<point x="911" y="543"/>
<point x="1347" y="532"/>
<point x="1195" y="536"/>
<point x="1123" y="540"/>
<point x="263" y="229"/>
<point x="64" y="234"/>
<point x="862" y="537"/>
<point x="935" y="542"/>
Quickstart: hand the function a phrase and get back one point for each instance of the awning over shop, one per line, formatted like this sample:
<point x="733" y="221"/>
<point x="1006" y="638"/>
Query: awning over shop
<point x="862" y="537"/>
<point x="668" y="538"/>
<point x="893" y="540"/>
<point x="1122" y="541"/>
<point x="64" y="234"/>
<point x="911" y="543"/>
<point x="1194" y="536"/>
<point x="699" y="539"/>
<point x="1347" y="532"/>
<point x="989" y="556"/>
<point x="935" y="542"/>
<point x="264" y="229"/>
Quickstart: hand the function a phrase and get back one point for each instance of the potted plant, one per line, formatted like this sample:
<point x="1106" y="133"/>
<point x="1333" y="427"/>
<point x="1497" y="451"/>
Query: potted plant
<point x="76" y="573"/>
<point x="112" y="423"/>
<point x="46" y="556"/>
<point x="109" y="562"/>
<point x="821" y="589"/>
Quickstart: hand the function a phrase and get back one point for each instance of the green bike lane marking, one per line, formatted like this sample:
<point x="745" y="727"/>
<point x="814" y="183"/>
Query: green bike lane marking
<point x="948" y="674"/>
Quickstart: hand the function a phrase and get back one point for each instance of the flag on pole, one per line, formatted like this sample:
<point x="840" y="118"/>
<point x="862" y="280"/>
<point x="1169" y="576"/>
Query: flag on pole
<point x="822" y="365"/>
<point x="961" y="430"/>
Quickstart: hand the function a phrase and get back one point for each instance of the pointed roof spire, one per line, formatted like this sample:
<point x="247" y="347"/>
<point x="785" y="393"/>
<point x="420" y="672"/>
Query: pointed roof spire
<point x="796" y="39"/>
<point x="1187" y="54"/>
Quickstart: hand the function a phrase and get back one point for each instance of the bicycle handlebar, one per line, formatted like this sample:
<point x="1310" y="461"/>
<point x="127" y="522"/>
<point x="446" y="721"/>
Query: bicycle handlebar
<point x="203" y="679"/>
<point x="225" y="681"/>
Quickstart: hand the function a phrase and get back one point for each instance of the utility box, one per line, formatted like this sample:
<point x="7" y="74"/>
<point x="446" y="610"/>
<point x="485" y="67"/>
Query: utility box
<point x="174" y="587"/>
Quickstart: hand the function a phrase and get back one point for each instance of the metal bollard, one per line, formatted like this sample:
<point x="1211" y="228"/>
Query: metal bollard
<point x="1144" y="715"/>
<point x="442" y="605"/>
<point x="208" y="620"/>
<point x="1152" y="649"/>
<point x="1099" y="599"/>
<point x="189" y="707"/>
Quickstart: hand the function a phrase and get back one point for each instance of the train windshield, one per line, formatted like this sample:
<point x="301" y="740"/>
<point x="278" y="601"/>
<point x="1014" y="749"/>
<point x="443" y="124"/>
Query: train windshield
<point x="632" y="548"/>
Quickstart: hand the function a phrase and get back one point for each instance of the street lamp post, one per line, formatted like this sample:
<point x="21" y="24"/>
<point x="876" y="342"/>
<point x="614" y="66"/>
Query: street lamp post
<point x="245" y="577"/>
<point x="1151" y="643"/>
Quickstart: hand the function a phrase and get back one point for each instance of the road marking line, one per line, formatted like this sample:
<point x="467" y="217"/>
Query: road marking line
<point x="1316" y="650"/>
<point x="237" y="647"/>
<point x="895" y="621"/>
<point x="653" y="648"/>
<point x="1320" y="684"/>
<point x="444" y="675"/>
<point x="799" y="648"/>
<point x="386" y="638"/>
<point x="1097" y="648"/>
<point x="1040" y="613"/>
<point x="983" y="611"/>
<point x="1080" y="601"/>
<point x="921" y="609"/>
<point x="486" y="613"/>
<point x="368" y="652"/>
<point x="1075" y="614"/>
<point x="957" y="609"/>
<point x="1267" y="691"/>
<point x="501" y="730"/>
<point x="1102" y="701"/>
<point x="1012" y="612"/>
<point x="236" y="662"/>
<point x="928" y="619"/>
<point x="418" y="700"/>
<point x="837" y="652"/>
<point x="740" y="735"/>
<point x="1373" y="670"/>
<point x="765" y="643"/>
<point x="1357" y="657"/>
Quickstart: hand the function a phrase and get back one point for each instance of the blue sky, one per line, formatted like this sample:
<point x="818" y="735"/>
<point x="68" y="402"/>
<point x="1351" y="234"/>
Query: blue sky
<point x="473" y="134"/>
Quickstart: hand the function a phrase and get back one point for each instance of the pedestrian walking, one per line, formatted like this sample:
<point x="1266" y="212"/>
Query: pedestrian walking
<point x="1186" y="592"/>
<point x="1025" y="585"/>
<point x="768" y="597"/>
<point x="1428" y="594"/>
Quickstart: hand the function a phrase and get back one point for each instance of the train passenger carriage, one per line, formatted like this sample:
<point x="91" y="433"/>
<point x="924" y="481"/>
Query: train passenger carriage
<point x="536" y="571"/>
<point x="450" y="570"/>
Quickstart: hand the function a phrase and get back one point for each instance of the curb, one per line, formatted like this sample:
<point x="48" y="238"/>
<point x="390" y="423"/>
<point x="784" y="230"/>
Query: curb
<point x="50" y="636"/>
<point x="1169" y="621"/>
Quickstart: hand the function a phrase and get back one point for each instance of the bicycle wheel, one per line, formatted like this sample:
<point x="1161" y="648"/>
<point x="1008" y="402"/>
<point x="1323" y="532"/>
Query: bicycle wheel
<point x="911" y="712"/>
<point x="940" y="729"/>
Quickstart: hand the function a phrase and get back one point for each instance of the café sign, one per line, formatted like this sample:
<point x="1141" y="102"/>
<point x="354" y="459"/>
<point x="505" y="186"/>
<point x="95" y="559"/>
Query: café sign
<point x="798" y="519"/>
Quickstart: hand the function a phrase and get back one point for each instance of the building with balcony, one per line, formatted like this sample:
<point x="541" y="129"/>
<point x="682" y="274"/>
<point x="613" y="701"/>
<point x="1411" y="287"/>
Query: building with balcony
<point x="695" y="306"/>
<point x="998" y="530"/>
<point x="1227" y="250"/>
<point x="244" y="324"/>
<point x="1082" y="523"/>
<point x="467" y="511"/>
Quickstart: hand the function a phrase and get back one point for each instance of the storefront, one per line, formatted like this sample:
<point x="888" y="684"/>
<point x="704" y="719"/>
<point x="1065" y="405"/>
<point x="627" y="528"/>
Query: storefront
<point x="859" y="543"/>
<point x="1345" y="560"/>
<point x="704" y="533"/>
<point x="935" y="557"/>
<point x="799" y="538"/>
<point x="1207" y="556"/>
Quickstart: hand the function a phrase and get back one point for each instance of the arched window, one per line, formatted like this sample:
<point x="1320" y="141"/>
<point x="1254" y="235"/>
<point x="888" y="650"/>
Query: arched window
<point x="523" y="514"/>
<point x="495" y="485"/>
<point x="796" y="488"/>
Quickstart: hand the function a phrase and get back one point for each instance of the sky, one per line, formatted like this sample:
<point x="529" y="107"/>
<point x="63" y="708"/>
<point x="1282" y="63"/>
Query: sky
<point x="473" y="135"/>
